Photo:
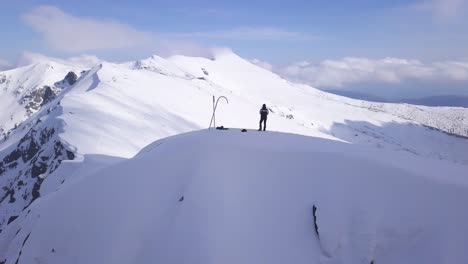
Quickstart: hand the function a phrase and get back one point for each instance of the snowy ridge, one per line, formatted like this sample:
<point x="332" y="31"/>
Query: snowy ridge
<point x="112" y="111"/>
<point x="24" y="166"/>
<point x="159" y="103"/>
<point x="251" y="204"/>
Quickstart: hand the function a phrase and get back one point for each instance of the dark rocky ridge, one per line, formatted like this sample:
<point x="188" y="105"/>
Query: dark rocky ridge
<point x="38" y="98"/>
<point x="22" y="170"/>
<point x="71" y="78"/>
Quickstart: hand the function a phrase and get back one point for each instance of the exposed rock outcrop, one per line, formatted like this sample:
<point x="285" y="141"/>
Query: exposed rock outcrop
<point x="22" y="171"/>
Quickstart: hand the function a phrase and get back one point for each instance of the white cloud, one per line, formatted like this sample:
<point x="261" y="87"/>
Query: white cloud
<point x="447" y="9"/>
<point x="262" y="64"/>
<point x="249" y="33"/>
<point x="337" y="73"/>
<point x="442" y="10"/>
<point x="4" y="65"/>
<point x="70" y="33"/>
<point x="84" y="61"/>
<point x="73" y="34"/>
<point x="455" y="70"/>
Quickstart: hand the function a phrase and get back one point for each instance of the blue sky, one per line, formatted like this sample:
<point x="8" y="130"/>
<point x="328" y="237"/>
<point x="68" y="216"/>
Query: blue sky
<point x="430" y="38"/>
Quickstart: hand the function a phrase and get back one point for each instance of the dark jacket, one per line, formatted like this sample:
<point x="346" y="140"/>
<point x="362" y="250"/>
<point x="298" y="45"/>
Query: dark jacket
<point x="264" y="113"/>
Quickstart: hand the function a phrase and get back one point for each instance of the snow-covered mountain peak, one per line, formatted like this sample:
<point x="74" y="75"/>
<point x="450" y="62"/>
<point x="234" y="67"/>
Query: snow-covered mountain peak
<point x="183" y="86"/>
<point x="160" y="65"/>
<point x="110" y="111"/>
<point x="82" y="61"/>
<point x="25" y="90"/>
<point x="219" y="53"/>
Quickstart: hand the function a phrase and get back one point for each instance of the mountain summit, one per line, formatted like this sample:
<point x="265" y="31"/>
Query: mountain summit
<point x="55" y="133"/>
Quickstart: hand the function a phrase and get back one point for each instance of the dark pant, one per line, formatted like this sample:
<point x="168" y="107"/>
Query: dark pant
<point x="264" y="124"/>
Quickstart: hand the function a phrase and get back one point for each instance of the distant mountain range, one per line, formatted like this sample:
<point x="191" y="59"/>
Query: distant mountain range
<point x="440" y="100"/>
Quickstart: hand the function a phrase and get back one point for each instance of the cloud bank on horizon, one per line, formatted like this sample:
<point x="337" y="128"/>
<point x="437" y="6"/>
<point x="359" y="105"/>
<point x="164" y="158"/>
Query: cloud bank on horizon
<point x="442" y="10"/>
<point x="4" y="64"/>
<point x="338" y="73"/>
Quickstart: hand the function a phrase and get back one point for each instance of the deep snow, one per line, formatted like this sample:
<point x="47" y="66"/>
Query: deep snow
<point x="248" y="198"/>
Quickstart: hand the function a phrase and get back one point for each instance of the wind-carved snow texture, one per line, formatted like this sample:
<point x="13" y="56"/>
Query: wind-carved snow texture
<point x="95" y="77"/>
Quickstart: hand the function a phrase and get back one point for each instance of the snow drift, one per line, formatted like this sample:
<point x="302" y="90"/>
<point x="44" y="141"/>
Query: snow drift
<point x="232" y="197"/>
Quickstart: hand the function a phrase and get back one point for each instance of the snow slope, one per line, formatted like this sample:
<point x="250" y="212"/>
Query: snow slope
<point x="230" y="197"/>
<point x="115" y="110"/>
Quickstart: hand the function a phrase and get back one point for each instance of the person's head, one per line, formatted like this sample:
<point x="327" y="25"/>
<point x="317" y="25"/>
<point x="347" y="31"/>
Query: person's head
<point x="264" y="106"/>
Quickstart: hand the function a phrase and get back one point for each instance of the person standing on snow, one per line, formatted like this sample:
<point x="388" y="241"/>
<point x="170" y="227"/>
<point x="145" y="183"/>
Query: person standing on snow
<point x="263" y="117"/>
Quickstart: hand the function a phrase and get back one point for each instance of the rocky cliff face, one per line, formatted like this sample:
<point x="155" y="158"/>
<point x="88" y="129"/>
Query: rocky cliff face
<point x="36" y="99"/>
<point x="24" y="166"/>
<point x="30" y="130"/>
